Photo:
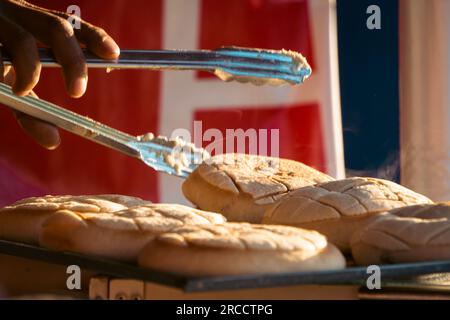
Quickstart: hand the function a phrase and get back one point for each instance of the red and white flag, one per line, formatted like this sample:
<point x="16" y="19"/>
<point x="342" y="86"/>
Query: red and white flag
<point x="307" y="117"/>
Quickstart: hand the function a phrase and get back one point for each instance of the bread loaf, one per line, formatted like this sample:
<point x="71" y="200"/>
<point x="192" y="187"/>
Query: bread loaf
<point x="22" y="220"/>
<point x="118" y="235"/>
<point x="338" y="208"/>
<point x="408" y="234"/>
<point x="242" y="186"/>
<point x="240" y="248"/>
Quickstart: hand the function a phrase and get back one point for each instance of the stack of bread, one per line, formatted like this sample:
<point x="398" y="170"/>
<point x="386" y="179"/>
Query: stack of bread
<point x="254" y="215"/>
<point x="168" y="237"/>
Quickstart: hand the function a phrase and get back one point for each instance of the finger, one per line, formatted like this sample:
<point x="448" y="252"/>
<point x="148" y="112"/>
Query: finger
<point x="4" y="70"/>
<point x="58" y="34"/>
<point x="21" y="46"/>
<point x="68" y="53"/>
<point x="96" y="39"/>
<point x="44" y="133"/>
<point x="9" y="76"/>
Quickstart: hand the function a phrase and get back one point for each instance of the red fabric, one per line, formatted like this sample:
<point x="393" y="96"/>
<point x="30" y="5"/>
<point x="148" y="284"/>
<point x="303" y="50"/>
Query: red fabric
<point x="300" y="131"/>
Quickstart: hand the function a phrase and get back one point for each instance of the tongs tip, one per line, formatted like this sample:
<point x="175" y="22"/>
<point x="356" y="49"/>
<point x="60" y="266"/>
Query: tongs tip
<point x="272" y="67"/>
<point x="173" y="156"/>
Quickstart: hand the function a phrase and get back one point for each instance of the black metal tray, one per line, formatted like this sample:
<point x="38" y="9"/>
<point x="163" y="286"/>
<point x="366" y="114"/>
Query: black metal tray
<point x="390" y="274"/>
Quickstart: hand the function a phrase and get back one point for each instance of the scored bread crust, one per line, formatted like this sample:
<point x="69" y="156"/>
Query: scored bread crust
<point x="242" y="186"/>
<point x="339" y="208"/>
<point x="238" y="249"/>
<point x="118" y="235"/>
<point x="22" y="220"/>
<point x="408" y="234"/>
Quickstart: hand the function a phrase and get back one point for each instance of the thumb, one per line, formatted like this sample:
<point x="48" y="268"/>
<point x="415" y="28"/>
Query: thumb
<point x="44" y="133"/>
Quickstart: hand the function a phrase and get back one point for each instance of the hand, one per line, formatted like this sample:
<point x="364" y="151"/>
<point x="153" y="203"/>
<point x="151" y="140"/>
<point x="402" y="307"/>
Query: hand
<point x="42" y="132"/>
<point x="22" y="25"/>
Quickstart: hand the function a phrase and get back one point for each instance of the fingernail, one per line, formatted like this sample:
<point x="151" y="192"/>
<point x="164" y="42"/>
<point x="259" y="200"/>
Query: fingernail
<point x="78" y="87"/>
<point x="111" y="46"/>
<point x="54" y="143"/>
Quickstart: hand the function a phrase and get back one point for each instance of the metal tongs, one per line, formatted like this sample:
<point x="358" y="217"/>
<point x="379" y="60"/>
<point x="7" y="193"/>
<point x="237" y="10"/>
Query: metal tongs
<point x="153" y="154"/>
<point x="257" y="66"/>
<point x="244" y="65"/>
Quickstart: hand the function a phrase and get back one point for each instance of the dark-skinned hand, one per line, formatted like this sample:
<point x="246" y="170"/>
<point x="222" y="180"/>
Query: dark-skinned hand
<point x="22" y="26"/>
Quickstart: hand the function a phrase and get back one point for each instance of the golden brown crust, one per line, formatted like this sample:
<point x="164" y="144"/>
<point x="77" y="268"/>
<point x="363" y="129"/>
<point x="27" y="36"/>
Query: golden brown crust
<point x="338" y="208"/>
<point x="22" y="220"/>
<point x="240" y="248"/>
<point x="408" y="234"/>
<point x="83" y="203"/>
<point x="118" y="235"/>
<point x="242" y="186"/>
<point x="245" y="236"/>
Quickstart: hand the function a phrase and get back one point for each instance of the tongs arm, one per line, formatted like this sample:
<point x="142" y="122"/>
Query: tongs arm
<point x="174" y="157"/>
<point x="256" y="66"/>
<point x="70" y="121"/>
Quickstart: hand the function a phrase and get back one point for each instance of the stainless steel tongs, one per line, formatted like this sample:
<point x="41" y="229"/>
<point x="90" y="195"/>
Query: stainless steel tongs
<point x="228" y="63"/>
<point x="154" y="154"/>
<point x="174" y="157"/>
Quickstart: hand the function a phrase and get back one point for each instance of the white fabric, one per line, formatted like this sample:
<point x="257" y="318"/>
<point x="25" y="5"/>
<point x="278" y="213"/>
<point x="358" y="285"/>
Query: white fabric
<point x="424" y="96"/>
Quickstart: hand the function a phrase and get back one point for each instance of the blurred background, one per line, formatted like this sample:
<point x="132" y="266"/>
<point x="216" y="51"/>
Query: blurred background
<point x="377" y="103"/>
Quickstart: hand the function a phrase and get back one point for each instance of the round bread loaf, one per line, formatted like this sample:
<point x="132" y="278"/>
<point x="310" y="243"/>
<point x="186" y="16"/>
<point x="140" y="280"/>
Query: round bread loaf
<point x="238" y="249"/>
<point x="22" y="220"/>
<point x="338" y="208"/>
<point x="408" y="234"/>
<point x="242" y="186"/>
<point x="118" y="235"/>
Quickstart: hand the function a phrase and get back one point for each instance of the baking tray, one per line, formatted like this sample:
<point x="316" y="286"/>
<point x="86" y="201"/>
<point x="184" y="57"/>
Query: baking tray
<point x="398" y="274"/>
